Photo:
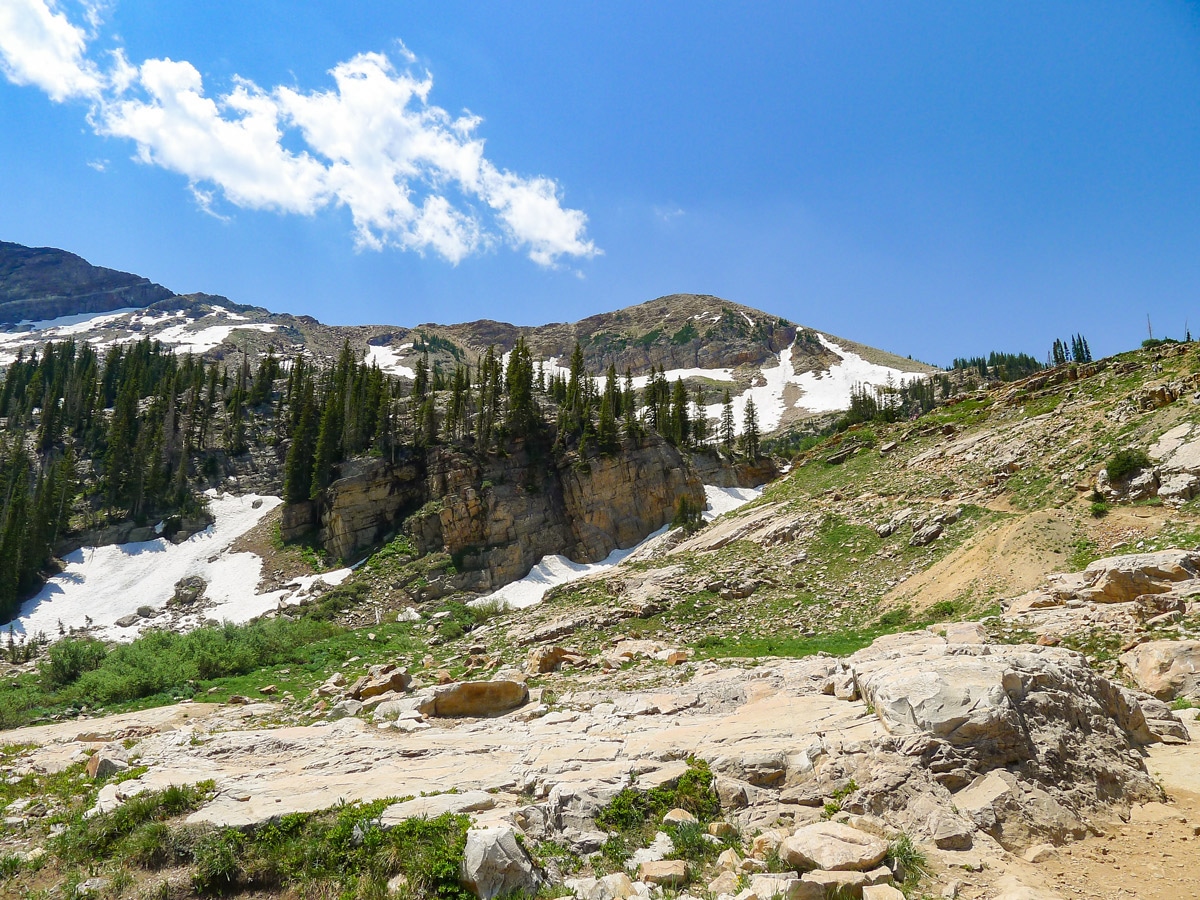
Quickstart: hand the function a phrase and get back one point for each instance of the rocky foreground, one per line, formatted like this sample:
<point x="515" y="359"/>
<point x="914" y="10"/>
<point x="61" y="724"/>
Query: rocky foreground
<point x="985" y="755"/>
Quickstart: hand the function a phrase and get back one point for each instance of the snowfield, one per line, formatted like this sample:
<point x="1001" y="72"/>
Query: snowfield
<point x="819" y="392"/>
<point x="177" y="335"/>
<point x="388" y="360"/>
<point x="552" y="571"/>
<point x="103" y="584"/>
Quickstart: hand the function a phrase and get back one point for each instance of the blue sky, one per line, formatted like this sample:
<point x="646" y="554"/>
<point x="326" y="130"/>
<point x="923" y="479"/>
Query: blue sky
<point x="937" y="179"/>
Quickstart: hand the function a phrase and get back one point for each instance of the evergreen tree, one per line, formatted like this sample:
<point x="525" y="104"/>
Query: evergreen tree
<point x="750" y="435"/>
<point x="727" y="426"/>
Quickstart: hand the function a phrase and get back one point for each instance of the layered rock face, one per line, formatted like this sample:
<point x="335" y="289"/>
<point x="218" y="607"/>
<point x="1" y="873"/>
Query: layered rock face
<point x="38" y="283"/>
<point x="498" y="519"/>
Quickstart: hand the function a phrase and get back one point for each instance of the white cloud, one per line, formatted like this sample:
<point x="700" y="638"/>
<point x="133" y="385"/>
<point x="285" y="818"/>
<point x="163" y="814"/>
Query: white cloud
<point x="234" y="144"/>
<point x="39" y="46"/>
<point x="411" y="175"/>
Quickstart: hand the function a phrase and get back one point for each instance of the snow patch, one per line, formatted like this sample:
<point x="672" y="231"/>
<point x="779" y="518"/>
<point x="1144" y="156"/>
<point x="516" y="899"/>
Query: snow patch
<point x="388" y="360"/>
<point x="820" y="391"/>
<point x="726" y="499"/>
<point x="63" y="326"/>
<point x="552" y="571"/>
<point x="104" y="584"/>
<point x="206" y="338"/>
<point x="830" y="391"/>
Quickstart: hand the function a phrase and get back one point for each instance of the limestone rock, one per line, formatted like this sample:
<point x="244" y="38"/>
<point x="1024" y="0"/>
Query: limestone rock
<point x="616" y="886"/>
<point x="927" y="535"/>
<point x="476" y="699"/>
<point x="1166" y="669"/>
<point x="842" y="883"/>
<point x="834" y="847"/>
<point x="380" y="680"/>
<point x="678" y="817"/>
<point x="786" y="887"/>
<point x="439" y="804"/>
<point x="545" y="659"/>
<point x="665" y="872"/>
<point x="725" y="883"/>
<point x="881" y="892"/>
<point x="106" y="762"/>
<point x="495" y="864"/>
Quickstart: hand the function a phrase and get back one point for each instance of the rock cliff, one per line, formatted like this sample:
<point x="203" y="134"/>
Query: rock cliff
<point x="38" y="283"/>
<point x="497" y="517"/>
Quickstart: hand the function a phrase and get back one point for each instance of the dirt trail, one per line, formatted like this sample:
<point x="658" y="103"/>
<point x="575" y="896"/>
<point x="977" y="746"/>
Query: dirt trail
<point x="1008" y="558"/>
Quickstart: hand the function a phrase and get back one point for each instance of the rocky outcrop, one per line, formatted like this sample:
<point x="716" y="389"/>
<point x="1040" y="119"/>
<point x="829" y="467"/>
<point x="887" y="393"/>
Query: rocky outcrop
<point x="498" y="518"/>
<point x="1153" y="580"/>
<point x="475" y="699"/>
<point x="496" y="865"/>
<point x="39" y="283"/>
<point x="1166" y="669"/>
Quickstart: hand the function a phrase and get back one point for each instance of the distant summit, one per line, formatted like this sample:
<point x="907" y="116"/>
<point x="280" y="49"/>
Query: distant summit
<point x="40" y="283"/>
<point x="713" y="345"/>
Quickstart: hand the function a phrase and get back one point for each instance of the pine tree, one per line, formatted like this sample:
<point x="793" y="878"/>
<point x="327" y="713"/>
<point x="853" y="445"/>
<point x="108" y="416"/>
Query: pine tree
<point x="727" y="427"/>
<point x="679" y="430"/>
<point x="750" y="436"/>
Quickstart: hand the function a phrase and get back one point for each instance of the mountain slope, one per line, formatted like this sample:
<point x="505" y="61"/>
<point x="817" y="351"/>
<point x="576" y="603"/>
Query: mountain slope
<point x="713" y="345"/>
<point x="40" y="283"/>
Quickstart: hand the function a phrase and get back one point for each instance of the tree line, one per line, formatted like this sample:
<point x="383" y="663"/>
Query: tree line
<point x="133" y="433"/>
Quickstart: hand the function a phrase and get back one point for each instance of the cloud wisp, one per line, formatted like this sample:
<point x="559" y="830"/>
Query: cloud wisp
<point x="411" y="175"/>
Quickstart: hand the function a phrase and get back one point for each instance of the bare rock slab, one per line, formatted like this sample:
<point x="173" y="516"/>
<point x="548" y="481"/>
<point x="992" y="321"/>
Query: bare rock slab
<point x="664" y="872"/>
<point x="833" y="847"/>
<point x="439" y="804"/>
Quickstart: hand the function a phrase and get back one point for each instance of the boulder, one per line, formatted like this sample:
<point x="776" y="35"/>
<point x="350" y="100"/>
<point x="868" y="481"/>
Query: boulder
<point x="1166" y="669"/>
<point x="616" y="886"/>
<point x="926" y="535"/>
<point x="476" y="699"/>
<point x="834" y="847"/>
<point x="839" y="883"/>
<point x="380" y="680"/>
<point x="670" y="873"/>
<point x="786" y="887"/>
<point x="107" y="762"/>
<point x="678" y="817"/>
<point x="881" y="892"/>
<point x="495" y="864"/>
<point x="545" y="659"/>
<point x="1119" y="579"/>
<point x="725" y="883"/>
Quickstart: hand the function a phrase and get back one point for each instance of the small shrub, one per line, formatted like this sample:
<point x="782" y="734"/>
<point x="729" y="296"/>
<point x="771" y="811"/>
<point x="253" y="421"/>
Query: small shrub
<point x="68" y="659"/>
<point x="1124" y="464"/>
<point x="1098" y="509"/>
<point x="894" y="618"/>
<point x="487" y="609"/>
<point x="691" y="842"/>
<point x="943" y="609"/>
<point x="907" y="856"/>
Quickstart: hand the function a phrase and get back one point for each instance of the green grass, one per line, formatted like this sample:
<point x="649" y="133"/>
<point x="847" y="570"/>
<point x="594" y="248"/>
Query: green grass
<point x="340" y="852"/>
<point x="752" y="646"/>
<point x="633" y="816"/>
<point x="159" y="666"/>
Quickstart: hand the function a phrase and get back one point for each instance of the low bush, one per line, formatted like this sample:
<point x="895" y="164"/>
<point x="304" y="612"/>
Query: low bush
<point x="635" y="814"/>
<point x="1124" y="464"/>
